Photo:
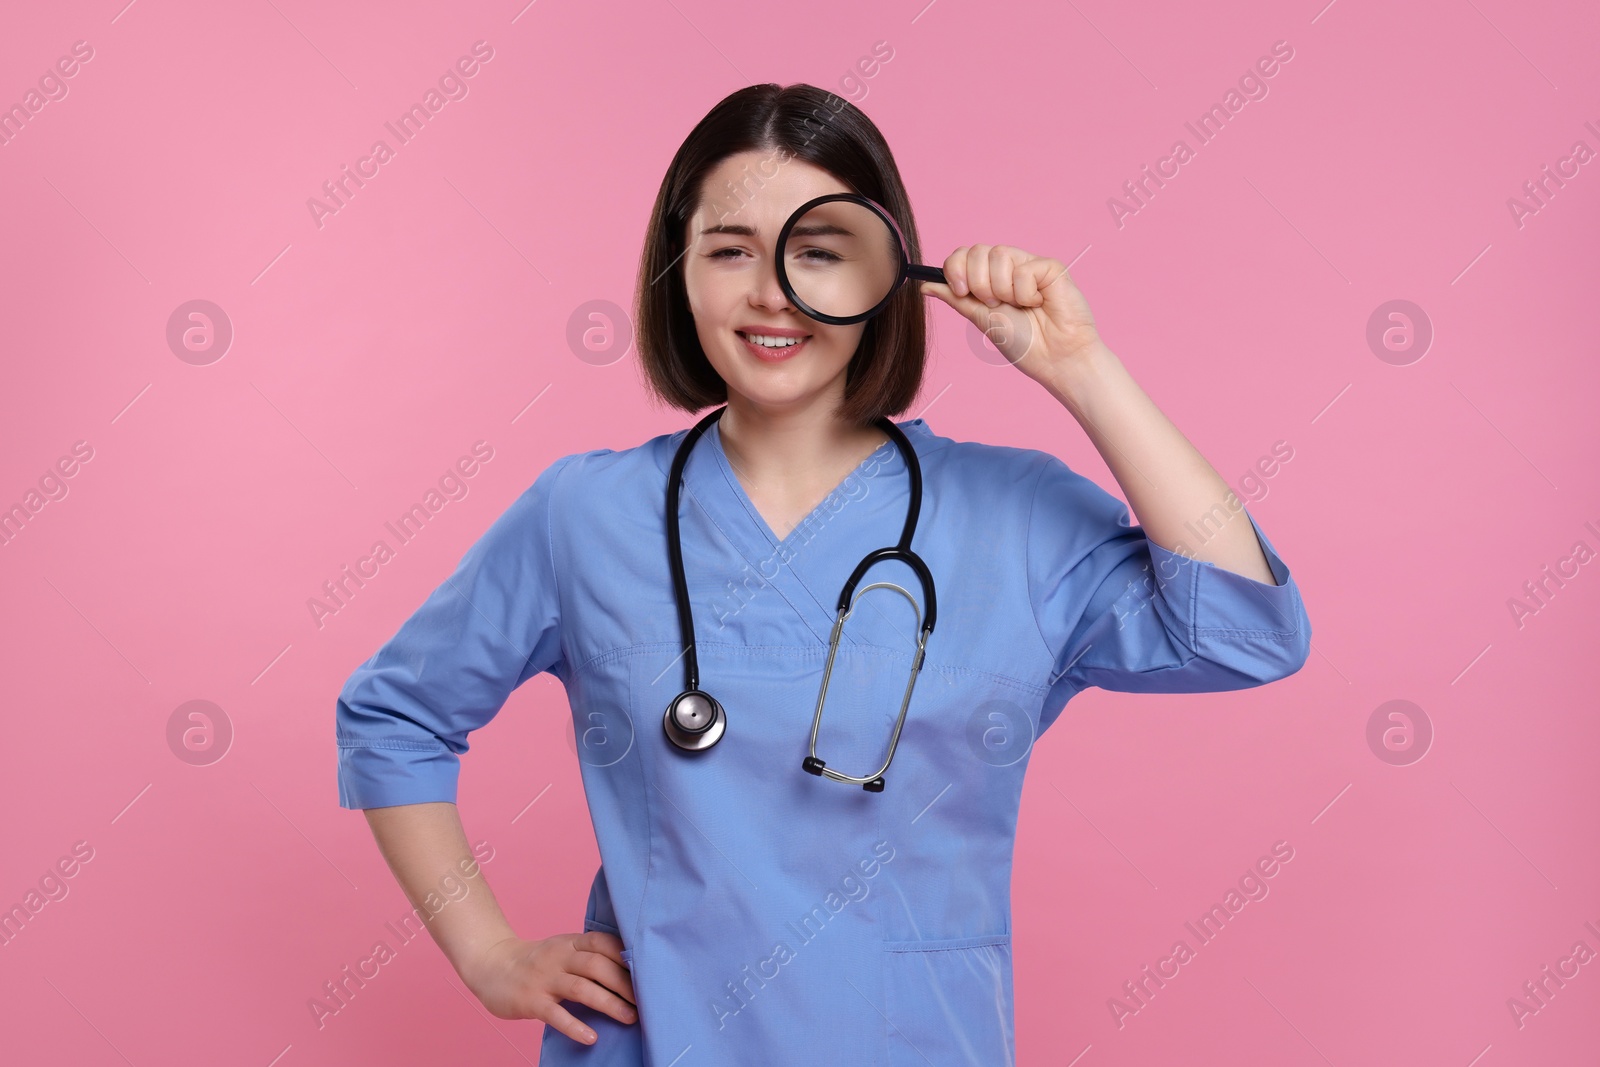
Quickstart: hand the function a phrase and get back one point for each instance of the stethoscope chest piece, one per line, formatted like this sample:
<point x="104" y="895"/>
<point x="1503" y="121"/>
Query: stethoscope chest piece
<point x="694" y="721"/>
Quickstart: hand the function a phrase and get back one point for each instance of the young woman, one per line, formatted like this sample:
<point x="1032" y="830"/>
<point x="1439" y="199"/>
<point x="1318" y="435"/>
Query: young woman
<point x="752" y="907"/>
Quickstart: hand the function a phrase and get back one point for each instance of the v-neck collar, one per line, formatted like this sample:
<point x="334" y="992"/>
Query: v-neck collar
<point x="913" y="429"/>
<point x="710" y="483"/>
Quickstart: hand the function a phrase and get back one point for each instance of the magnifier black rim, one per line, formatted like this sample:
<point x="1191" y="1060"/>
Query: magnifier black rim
<point x="900" y="243"/>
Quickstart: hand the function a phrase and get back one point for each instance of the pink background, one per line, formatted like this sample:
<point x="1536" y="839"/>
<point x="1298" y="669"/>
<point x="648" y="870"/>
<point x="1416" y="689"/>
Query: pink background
<point x="433" y="309"/>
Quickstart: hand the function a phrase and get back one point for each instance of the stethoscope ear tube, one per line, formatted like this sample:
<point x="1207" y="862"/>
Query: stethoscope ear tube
<point x="910" y="559"/>
<point x="873" y="782"/>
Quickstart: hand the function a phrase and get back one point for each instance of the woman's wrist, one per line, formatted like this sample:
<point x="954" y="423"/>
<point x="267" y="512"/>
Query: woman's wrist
<point x="471" y="958"/>
<point x="1078" y="380"/>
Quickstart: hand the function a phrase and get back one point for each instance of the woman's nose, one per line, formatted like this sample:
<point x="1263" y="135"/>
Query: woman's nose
<point x="769" y="294"/>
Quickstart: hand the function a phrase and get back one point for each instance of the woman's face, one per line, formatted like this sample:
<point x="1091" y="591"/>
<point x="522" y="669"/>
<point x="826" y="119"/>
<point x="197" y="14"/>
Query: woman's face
<point x="733" y="285"/>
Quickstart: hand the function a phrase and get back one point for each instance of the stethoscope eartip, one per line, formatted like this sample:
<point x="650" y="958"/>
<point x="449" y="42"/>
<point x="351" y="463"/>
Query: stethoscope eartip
<point x="813" y="765"/>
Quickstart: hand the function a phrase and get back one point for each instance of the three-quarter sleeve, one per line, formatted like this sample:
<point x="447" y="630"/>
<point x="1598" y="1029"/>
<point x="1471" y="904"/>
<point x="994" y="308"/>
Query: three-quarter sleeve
<point x="403" y="717"/>
<point x="1120" y="612"/>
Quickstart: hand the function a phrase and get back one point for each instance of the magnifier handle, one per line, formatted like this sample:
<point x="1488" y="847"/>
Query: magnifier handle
<point x="926" y="274"/>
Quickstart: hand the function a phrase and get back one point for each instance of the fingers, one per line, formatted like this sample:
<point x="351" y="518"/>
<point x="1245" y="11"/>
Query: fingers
<point x="1025" y="285"/>
<point x="529" y="979"/>
<point x="574" y="986"/>
<point x="997" y="274"/>
<point x="966" y="272"/>
<point x="597" y="955"/>
<point x="580" y="990"/>
<point x="967" y="305"/>
<point x="599" y="941"/>
<point x="978" y="273"/>
<point x="1002" y="268"/>
<point x="955" y="273"/>
<point x="608" y="972"/>
<point x="563" y="1020"/>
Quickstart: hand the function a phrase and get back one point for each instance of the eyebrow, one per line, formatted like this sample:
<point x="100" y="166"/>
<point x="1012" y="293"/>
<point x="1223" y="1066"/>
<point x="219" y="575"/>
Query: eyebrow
<point x="821" y="229"/>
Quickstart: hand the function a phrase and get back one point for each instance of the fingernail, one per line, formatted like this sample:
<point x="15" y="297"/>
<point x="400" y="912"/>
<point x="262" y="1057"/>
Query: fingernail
<point x="588" y="1035"/>
<point x="993" y="303"/>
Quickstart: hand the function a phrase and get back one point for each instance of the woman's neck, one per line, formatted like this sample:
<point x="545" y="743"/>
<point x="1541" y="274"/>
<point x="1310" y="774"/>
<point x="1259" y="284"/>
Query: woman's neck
<point x="792" y="456"/>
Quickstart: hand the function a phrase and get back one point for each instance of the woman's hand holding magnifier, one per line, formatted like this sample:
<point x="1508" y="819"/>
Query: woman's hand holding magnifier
<point x="1025" y="304"/>
<point x="841" y="258"/>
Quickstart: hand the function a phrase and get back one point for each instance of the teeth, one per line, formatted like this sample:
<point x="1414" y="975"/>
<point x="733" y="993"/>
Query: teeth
<point x="771" y="342"/>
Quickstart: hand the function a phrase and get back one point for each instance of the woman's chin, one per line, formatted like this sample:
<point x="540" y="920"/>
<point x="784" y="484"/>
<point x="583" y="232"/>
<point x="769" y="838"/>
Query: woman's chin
<point x="780" y="386"/>
<point x="774" y="396"/>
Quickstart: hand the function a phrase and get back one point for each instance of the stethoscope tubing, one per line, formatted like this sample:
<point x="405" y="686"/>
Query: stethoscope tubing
<point x="712" y="731"/>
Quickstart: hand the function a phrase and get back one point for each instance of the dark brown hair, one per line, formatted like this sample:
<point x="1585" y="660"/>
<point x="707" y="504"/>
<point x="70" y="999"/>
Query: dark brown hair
<point x="795" y="122"/>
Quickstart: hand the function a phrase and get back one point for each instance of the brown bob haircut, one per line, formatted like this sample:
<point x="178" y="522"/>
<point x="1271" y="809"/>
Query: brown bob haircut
<point x="801" y="122"/>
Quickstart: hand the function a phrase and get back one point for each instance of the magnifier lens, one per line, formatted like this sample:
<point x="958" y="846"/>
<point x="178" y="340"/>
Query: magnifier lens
<point x="842" y="259"/>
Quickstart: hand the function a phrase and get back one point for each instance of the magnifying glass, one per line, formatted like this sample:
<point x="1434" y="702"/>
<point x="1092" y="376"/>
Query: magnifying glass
<point x="841" y="257"/>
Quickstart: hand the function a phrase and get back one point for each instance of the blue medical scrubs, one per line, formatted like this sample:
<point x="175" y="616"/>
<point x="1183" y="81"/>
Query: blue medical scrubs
<point x="769" y="915"/>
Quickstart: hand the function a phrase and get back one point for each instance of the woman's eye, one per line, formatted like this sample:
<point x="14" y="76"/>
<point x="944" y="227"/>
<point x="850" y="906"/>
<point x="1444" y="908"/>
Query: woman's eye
<point x="820" y="255"/>
<point x="723" y="253"/>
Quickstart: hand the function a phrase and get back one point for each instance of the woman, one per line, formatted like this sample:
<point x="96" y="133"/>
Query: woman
<point x="745" y="910"/>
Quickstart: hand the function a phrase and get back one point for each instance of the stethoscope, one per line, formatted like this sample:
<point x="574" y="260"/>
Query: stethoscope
<point x="695" y="720"/>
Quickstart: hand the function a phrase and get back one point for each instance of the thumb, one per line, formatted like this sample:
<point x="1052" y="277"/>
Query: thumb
<point x="971" y="307"/>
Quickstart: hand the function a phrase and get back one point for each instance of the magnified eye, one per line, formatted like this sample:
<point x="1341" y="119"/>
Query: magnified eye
<point x="821" y="256"/>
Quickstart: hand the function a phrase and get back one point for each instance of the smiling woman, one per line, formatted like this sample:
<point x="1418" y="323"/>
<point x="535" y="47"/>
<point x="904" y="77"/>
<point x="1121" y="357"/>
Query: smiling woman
<point x="743" y="321"/>
<point x="802" y="143"/>
<point x="715" y="324"/>
<point x="715" y="817"/>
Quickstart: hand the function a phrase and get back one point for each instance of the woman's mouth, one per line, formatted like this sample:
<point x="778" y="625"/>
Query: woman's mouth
<point x="771" y="348"/>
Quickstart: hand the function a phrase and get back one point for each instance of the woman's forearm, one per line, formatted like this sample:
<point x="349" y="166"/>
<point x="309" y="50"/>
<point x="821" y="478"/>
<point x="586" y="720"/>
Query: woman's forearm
<point x="426" y="847"/>
<point x="1171" y="488"/>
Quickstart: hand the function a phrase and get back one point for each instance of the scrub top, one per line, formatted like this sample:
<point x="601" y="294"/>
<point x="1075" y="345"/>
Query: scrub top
<point x="770" y="915"/>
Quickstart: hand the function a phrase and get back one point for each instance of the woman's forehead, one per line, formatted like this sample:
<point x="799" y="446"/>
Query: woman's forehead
<point x="758" y="191"/>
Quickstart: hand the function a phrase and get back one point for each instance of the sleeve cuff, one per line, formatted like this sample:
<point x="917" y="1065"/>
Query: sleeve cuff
<point x="381" y="774"/>
<point x="1211" y="600"/>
